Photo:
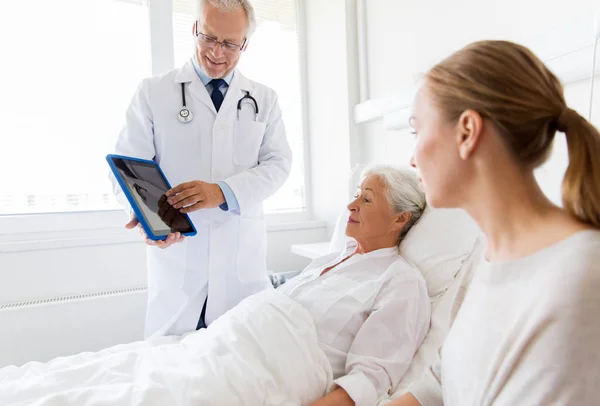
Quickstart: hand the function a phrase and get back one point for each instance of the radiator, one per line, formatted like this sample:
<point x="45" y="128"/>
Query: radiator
<point x="39" y="330"/>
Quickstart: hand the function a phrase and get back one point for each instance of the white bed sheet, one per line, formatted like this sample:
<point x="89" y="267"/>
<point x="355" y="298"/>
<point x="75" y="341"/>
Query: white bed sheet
<point x="263" y="352"/>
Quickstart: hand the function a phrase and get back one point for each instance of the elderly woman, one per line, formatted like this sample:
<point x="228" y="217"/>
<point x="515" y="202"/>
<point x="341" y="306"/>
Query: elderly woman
<point x="370" y="307"/>
<point x="344" y="331"/>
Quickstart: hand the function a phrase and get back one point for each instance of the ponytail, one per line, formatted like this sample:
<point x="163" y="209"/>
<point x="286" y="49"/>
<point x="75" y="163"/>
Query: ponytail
<point x="507" y="84"/>
<point x="581" y="184"/>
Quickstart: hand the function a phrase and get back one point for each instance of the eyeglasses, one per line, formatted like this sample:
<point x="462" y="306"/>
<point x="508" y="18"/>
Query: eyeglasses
<point x="225" y="46"/>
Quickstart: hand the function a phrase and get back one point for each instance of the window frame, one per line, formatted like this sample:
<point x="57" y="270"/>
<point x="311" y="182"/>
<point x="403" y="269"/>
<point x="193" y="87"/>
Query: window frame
<point x="64" y="224"/>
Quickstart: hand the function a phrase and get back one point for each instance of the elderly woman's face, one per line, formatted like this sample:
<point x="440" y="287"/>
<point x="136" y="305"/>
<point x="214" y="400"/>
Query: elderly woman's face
<point x="372" y="221"/>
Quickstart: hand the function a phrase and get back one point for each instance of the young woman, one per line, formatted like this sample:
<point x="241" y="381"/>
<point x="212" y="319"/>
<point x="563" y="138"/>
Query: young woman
<point x="528" y="332"/>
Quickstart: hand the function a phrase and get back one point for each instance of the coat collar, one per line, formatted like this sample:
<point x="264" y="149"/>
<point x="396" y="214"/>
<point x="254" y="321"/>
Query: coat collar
<point x="204" y="78"/>
<point x="237" y="88"/>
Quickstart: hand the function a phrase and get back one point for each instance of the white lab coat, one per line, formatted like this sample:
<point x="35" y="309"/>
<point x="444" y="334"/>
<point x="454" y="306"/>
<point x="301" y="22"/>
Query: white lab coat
<point x="227" y="258"/>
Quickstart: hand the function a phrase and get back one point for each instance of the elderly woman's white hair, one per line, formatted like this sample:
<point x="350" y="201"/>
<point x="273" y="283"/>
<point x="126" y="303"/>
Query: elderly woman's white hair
<point x="227" y="6"/>
<point x="402" y="190"/>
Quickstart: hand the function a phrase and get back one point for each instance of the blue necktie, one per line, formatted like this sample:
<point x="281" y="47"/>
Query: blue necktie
<point x="202" y="320"/>
<point x="216" y="95"/>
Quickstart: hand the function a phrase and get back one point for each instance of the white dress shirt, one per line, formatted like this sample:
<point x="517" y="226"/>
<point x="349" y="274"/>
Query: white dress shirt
<point x="371" y="313"/>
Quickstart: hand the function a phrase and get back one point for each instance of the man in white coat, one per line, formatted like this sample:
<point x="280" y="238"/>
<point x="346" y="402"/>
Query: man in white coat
<point x="225" y="161"/>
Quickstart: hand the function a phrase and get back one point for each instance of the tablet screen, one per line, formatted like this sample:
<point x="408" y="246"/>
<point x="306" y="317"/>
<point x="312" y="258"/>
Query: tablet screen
<point x="147" y="186"/>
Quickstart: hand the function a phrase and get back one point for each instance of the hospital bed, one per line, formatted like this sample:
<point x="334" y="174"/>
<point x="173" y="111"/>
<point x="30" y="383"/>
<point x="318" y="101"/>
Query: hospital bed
<point x="279" y="278"/>
<point x="444" y="245"/>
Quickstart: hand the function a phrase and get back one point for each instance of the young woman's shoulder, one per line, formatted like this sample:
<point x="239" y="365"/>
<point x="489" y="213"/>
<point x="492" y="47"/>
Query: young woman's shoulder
<point x="572" y="274"/>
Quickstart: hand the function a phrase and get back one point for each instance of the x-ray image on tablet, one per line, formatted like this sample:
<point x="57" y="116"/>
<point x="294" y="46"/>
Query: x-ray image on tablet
<point x="145" y="185"/>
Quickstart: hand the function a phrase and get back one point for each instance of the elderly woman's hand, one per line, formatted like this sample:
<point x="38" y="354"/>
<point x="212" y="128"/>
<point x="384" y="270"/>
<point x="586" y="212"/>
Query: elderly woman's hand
<point x="339" y="397"/>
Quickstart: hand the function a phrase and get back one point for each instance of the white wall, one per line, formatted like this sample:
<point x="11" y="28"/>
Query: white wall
<point x="332" y="76"/>
<point x="406" y="37"/>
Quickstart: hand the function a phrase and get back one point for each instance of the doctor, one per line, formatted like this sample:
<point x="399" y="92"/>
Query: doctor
<point x="220" y="138"/>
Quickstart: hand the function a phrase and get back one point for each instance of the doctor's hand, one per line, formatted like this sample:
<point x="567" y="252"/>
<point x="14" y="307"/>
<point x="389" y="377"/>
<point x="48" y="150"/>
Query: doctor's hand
<point x="195" y="195"/>
<point x="170" y="215"/>
<point x="133" y="221"/>
<point x="170" y="240"/>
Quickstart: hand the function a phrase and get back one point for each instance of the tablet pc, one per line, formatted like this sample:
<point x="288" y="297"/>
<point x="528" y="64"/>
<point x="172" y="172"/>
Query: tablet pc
<point x="144" y="185"/>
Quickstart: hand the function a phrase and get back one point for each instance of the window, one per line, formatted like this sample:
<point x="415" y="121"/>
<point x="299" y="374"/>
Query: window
<point x="69" y="70"/>
<point x="273" y="59"/>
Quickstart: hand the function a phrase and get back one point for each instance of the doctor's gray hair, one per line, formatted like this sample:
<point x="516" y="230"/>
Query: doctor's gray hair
<point x="228" y="6"/>
<point x="402" y="190"/>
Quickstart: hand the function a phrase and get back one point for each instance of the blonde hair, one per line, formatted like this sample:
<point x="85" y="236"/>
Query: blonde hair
<point x="513" y="89"/>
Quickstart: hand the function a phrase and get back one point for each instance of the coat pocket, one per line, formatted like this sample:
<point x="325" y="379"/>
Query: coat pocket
<point x="247" y="139"/>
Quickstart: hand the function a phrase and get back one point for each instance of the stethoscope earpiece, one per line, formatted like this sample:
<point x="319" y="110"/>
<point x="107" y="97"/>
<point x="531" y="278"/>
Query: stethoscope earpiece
<point x="252" y="101"/>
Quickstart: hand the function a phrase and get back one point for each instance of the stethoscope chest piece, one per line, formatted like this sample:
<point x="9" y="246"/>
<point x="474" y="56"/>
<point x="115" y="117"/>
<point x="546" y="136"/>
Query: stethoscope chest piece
<point x="185" y="116"/>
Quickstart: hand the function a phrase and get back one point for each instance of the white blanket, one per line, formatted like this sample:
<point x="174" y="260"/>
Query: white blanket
<point x="263" y="352"/>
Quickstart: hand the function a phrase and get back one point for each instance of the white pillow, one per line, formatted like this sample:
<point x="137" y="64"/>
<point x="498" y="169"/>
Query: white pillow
<point x="443" y="313"/>
<point x="438" y="244"/>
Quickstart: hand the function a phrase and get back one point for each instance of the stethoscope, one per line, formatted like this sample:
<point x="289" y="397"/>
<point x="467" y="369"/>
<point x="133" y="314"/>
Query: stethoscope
<point x="185" y="116"/>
